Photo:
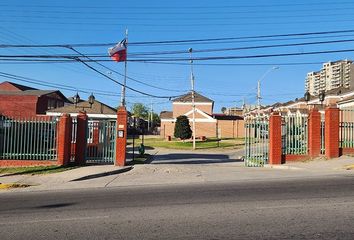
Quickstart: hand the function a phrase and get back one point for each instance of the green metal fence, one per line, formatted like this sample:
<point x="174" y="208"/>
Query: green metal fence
<point x="28" y="139"/>
<point x="256" y="141"/>
<point x="346" y="128"/>
<point x="294" y="134"/>
<point x="101" y="141"/>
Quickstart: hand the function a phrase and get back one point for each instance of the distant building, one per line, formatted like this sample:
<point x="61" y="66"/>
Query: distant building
<point x="332" y="75"/>
<point x="340" y="97"/>
<point x="234" y="111"/>
<point x="21" y="101"/>
<point x="208" y="124"/>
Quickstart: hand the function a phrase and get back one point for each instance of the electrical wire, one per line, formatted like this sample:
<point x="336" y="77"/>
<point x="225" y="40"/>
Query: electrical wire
<point x="175" y="41"/>
<point x="133" y="79"/>
<point x="130" y="88"/>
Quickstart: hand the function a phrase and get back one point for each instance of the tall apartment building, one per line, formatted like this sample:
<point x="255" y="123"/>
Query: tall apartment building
<point x="332" y="75"/>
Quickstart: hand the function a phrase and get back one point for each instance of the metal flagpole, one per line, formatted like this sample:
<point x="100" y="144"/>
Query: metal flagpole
<point x="193" y="102"/>
<point x="122" y="101"/>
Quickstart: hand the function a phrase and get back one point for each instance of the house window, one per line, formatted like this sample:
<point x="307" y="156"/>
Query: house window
<point x="51" y="103"/>
<point x="60" y="104"/>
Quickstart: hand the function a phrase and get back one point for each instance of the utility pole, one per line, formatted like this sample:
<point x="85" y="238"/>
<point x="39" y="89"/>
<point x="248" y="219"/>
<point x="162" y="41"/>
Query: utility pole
<point x="259" y="87"/>
<point x="193" y="102"/>
<point x="152" y="116"/>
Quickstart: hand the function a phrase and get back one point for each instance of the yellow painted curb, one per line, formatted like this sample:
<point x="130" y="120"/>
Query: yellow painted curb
<point x="349" y="167"/>
<point x="12" y="185"/>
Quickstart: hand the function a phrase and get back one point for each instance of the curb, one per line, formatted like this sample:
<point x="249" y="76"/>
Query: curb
<point x="284" y="167"/>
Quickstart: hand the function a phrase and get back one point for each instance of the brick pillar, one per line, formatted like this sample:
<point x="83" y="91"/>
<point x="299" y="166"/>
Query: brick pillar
<point x="332" y="132"/>
<point x="121" y="140"/>
<point x="64" y="139"/>
<point x="314" y="133"/>
<point x="275" y="144"/>
<point x="81" y="139"/>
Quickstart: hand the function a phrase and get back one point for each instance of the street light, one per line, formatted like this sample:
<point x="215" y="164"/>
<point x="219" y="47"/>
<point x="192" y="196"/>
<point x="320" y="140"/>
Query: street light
<point x="321" y="97"/>
<point x="259" y="86"/>
<point x="76" y="100"/>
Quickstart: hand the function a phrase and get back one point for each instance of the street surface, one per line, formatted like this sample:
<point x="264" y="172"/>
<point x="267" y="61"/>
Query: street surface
<point x="307" y="208"/>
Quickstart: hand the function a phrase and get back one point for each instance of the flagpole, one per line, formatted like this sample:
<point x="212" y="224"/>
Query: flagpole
<point x="122" y="102"/>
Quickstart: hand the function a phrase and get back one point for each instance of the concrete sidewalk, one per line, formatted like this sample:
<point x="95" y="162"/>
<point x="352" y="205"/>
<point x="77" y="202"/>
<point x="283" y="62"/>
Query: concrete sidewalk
<point x="179" y="167"/>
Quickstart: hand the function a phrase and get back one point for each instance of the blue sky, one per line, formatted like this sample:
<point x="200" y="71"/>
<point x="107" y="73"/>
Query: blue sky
<point x="70" y="22"/>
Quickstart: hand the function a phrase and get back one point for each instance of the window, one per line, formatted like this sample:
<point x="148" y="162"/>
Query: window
<point x="60" y="104"/>
<point x="51" y="103"/>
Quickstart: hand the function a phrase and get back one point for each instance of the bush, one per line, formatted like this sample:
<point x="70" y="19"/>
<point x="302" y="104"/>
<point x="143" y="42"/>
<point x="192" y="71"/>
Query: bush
<point x="182" y="128"/>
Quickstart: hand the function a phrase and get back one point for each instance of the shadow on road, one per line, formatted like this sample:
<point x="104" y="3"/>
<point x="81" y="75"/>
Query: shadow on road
<point x="193" y="158"/>
<point x="103" y="174"/>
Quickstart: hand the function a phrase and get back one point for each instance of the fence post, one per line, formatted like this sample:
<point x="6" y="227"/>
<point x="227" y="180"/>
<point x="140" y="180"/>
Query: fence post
<point x="314" y="133"/>
<point x="81" y="139"/>
<point x="64" y="140"/>
<point x="275" y="142"/>
<point x="121" y="140"/>
<point x="332" y="132"/>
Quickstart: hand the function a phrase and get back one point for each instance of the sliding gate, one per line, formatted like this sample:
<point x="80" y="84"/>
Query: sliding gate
<point x="101" y="141"/>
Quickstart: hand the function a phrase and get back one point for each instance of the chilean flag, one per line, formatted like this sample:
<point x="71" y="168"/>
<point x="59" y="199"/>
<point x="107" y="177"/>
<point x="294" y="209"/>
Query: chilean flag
<point x="119" y="52"/>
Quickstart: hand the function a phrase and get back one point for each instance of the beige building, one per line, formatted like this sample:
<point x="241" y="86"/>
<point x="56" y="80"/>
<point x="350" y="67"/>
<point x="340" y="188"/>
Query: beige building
<point x="332" y="75"/>
<point x="208" y="124"/>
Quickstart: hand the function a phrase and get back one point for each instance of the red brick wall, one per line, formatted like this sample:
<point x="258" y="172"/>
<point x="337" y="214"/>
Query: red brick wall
<point x="167" y="129"/>
<point x="18" y="106"/>
<point x="202" y="129"/>
<point x="231" y="128"/>
<point x="314" y="133"/>
<point x="275" y="144"/>
<point x="332" y="132"/>
<point x="179" y="110"/>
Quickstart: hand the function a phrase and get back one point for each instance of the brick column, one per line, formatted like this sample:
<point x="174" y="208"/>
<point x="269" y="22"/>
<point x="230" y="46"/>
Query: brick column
<point x="121" y="139"/>
<point x="314" y="133"/>
<point x="81" y="139"/>
<point x="332" y="132"/>
<point x="275" y="144"/>
<point x="64" y="140"/>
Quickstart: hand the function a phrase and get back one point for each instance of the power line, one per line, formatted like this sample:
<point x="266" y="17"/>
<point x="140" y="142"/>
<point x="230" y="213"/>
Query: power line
<point x="146" y="84"/>
<point x="90" y="56"/>
<point x="130" y="88"/>
<point x="244" y="56"/>
<point x="174" y="41"/>
<point x="178" y="7"/>
<point x="159" y="12"/>
<point x="61" y="86"/>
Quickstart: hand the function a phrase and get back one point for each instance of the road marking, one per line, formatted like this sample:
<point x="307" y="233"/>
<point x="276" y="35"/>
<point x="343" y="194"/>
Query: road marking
<point x="56" y="220"/>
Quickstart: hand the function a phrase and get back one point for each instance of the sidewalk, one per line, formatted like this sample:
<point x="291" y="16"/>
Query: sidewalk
<point x="196" y="167"/>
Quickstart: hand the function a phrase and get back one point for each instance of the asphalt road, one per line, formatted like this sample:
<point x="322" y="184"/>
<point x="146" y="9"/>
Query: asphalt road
<point x="287" y="209"/>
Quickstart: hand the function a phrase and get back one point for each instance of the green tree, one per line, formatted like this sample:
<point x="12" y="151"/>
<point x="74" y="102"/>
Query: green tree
<point x="140" y="110"/>
<point x="155" y="120"/>
<point x="182" y="128"/>
<point x="223" y="109"/>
